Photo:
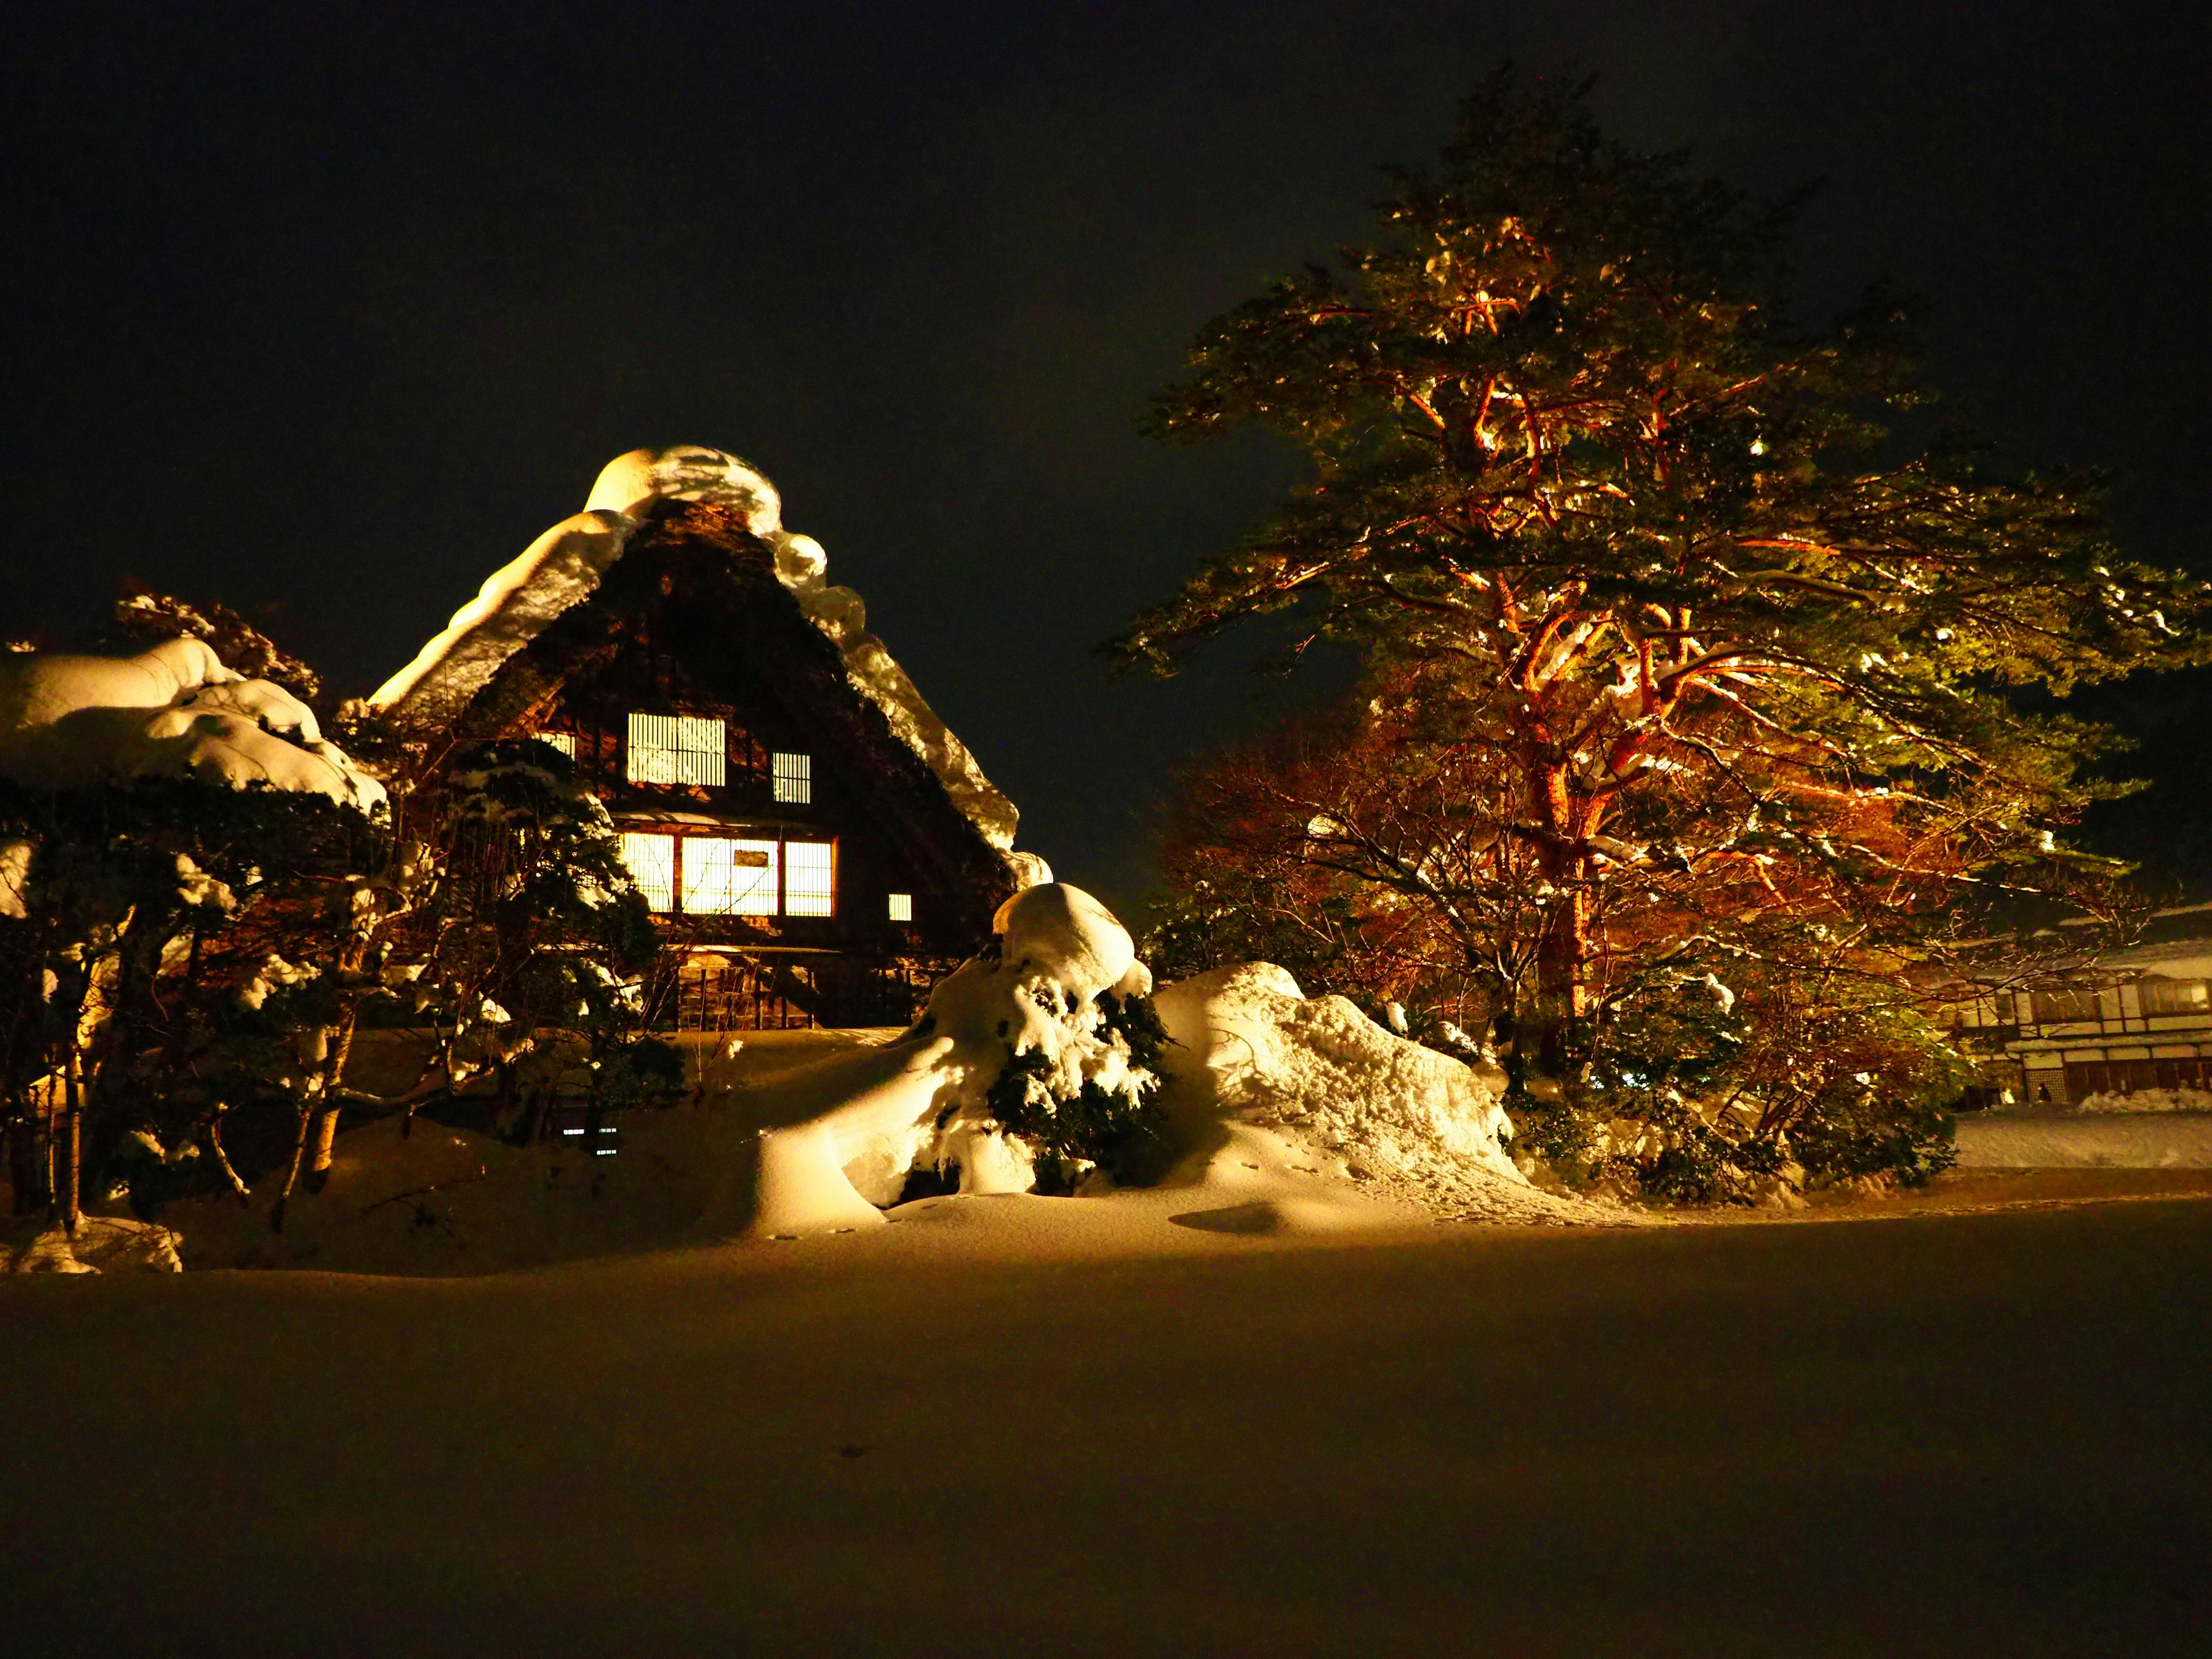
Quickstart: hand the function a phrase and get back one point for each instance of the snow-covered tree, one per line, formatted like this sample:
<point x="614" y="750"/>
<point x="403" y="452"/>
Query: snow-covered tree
<point x="177" y="947"/>
<point x="1720" y="642"/>
<point x="146" y="617"/>
<point x="523" y="919"/>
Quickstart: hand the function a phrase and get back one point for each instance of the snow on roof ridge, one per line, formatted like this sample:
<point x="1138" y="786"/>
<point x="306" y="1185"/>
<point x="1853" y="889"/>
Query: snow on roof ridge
<point x="564" y="567"/>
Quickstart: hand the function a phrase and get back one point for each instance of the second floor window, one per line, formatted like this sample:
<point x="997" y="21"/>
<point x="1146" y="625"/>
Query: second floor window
<point x="794" y="778"/>
<point x="680" y="749"/>
<point x="2173" y="996"/>
<point x="2065" y="1007"/>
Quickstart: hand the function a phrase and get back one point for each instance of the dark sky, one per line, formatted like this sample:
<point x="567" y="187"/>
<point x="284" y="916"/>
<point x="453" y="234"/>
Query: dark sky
<point x="334" y="308"/>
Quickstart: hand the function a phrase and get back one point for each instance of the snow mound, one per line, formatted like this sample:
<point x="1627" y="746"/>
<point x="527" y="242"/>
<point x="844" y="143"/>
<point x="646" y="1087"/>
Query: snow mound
<point x="174" y="711"/>
<point x="1403" y="1121"/>
<point x="2171" y="1140"/>
<point x="564" y="567"/>
<point x="838" y="1138"/>
<point x="102" y="1244"/>
<point x="2146" y="1100"/>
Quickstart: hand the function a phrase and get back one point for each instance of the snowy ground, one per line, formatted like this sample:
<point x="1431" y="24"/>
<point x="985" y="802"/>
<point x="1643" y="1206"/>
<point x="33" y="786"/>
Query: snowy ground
<point x="443" y="1200"/>
<point x="2058" y="1141"/>
<point x="1943" y="1436"/>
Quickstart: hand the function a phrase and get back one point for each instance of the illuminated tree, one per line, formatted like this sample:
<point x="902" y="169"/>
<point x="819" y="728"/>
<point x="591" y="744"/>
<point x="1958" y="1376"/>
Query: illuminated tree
<point x="1581" y="492"/>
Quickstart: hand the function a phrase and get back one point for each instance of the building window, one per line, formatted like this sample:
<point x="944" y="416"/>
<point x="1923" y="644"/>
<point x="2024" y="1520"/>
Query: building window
<point x="651" y="861"/>
<point x="2126" y="1077"/>
<point x="564" y="741"/>
<point x="809" y="878"/>
<point x="794" y="778"/>
<point x="678" y="748"/>
<point x="2065" y="1007"/>
<point x="902" y="907"/>
<point x="729" y="877"/>
<point x="2172" y="996"/>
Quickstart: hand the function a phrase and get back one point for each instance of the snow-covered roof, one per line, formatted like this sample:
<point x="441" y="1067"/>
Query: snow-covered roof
<point x="565" y="566"/>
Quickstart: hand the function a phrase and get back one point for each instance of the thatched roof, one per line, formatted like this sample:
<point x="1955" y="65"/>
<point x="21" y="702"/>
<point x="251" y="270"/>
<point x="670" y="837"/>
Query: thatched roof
<point x="707" y="589"/>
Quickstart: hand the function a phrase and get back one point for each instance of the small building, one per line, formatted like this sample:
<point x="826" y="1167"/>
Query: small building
<point x="2124" y="1022"/>
<point x="807" y="831"/>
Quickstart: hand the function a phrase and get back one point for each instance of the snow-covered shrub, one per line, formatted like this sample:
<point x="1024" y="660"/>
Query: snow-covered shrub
<point x="1114" y="1122"/>
<point x="1057" y="1039"/>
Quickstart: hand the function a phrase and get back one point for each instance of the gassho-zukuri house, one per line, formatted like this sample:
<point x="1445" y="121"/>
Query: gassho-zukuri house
<point x="795" y="814"/>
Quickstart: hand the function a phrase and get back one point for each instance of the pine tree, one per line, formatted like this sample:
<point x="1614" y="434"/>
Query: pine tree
<point x="1580" y="485"/>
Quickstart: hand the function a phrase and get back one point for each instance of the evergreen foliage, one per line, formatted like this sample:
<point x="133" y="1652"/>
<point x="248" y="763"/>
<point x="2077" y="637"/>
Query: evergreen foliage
<point x="1122" y="1132"/>
<point x="146" y="618"/>
<point x="1683" y="660"/>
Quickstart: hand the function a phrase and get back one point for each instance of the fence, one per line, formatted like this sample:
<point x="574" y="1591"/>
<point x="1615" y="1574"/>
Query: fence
<point x="741" y="993"/>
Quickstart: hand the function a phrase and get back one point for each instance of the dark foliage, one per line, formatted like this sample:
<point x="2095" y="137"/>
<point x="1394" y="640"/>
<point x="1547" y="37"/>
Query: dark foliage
<point x="1124" y="1134"/>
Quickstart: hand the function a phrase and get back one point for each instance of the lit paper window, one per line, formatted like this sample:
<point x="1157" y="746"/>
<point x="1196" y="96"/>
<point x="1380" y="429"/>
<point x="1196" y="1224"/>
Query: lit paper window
<point x="680" y="749"/>
<point x="902" y="907"/>
<point x="651" y="861"/>
<point x="794" y="778"/>
<point x="729" y="877"/>
<point x="564" y="741"/>
<point x="2172" y="996"/>
<point x="809" y="874"/>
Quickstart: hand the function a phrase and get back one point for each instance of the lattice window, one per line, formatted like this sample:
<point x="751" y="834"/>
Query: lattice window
<point x="651" y="861"/>
<point x="902" y="907"/>
<point x="809" y="878"/>
<point x="2065" y="1007"/>
<point x="564" y="741"/>
<point x="680" y="749"/>
<point x="2172" y="996"/>
<point x="794" y="778"/>
<point x="728" y="877"/>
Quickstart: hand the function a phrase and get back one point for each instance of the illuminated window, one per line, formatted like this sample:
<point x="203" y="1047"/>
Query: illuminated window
<point x="902" y="907"/>
<point x="674" y="749"/>
<point x="564" y="741"/>
<point x="651" y="861"/>
<point x="810" y="872"/>
<point x="794" y="778"/>
<point x="2172" y="996"/>
<point x="729" y="877"/>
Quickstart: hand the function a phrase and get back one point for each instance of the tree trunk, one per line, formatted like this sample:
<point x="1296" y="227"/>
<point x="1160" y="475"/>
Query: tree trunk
<point x="1562" y="981"/>
<point x="327" y="1121"/>
<point x="307" y="1117"/>
<point x="222" y="1159"/>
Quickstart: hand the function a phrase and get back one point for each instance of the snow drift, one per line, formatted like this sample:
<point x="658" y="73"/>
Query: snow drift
<point x="1262" y="1076"/>
<point x="1305" y="1113"/>
<point x="103" y="1244"/>
<point x="836" y="1140"/>
<point x="563" y="567"/>
<point x="2166" y="1140"/>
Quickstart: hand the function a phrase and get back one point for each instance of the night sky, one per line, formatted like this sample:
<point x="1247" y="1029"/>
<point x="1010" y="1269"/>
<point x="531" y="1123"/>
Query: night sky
<point x="326" y="312"/>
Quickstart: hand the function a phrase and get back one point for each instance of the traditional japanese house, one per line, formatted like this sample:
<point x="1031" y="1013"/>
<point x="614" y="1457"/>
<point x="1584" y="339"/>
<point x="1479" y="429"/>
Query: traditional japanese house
<point x="2116" y="1023"/>
<point x="802" y="824"/>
